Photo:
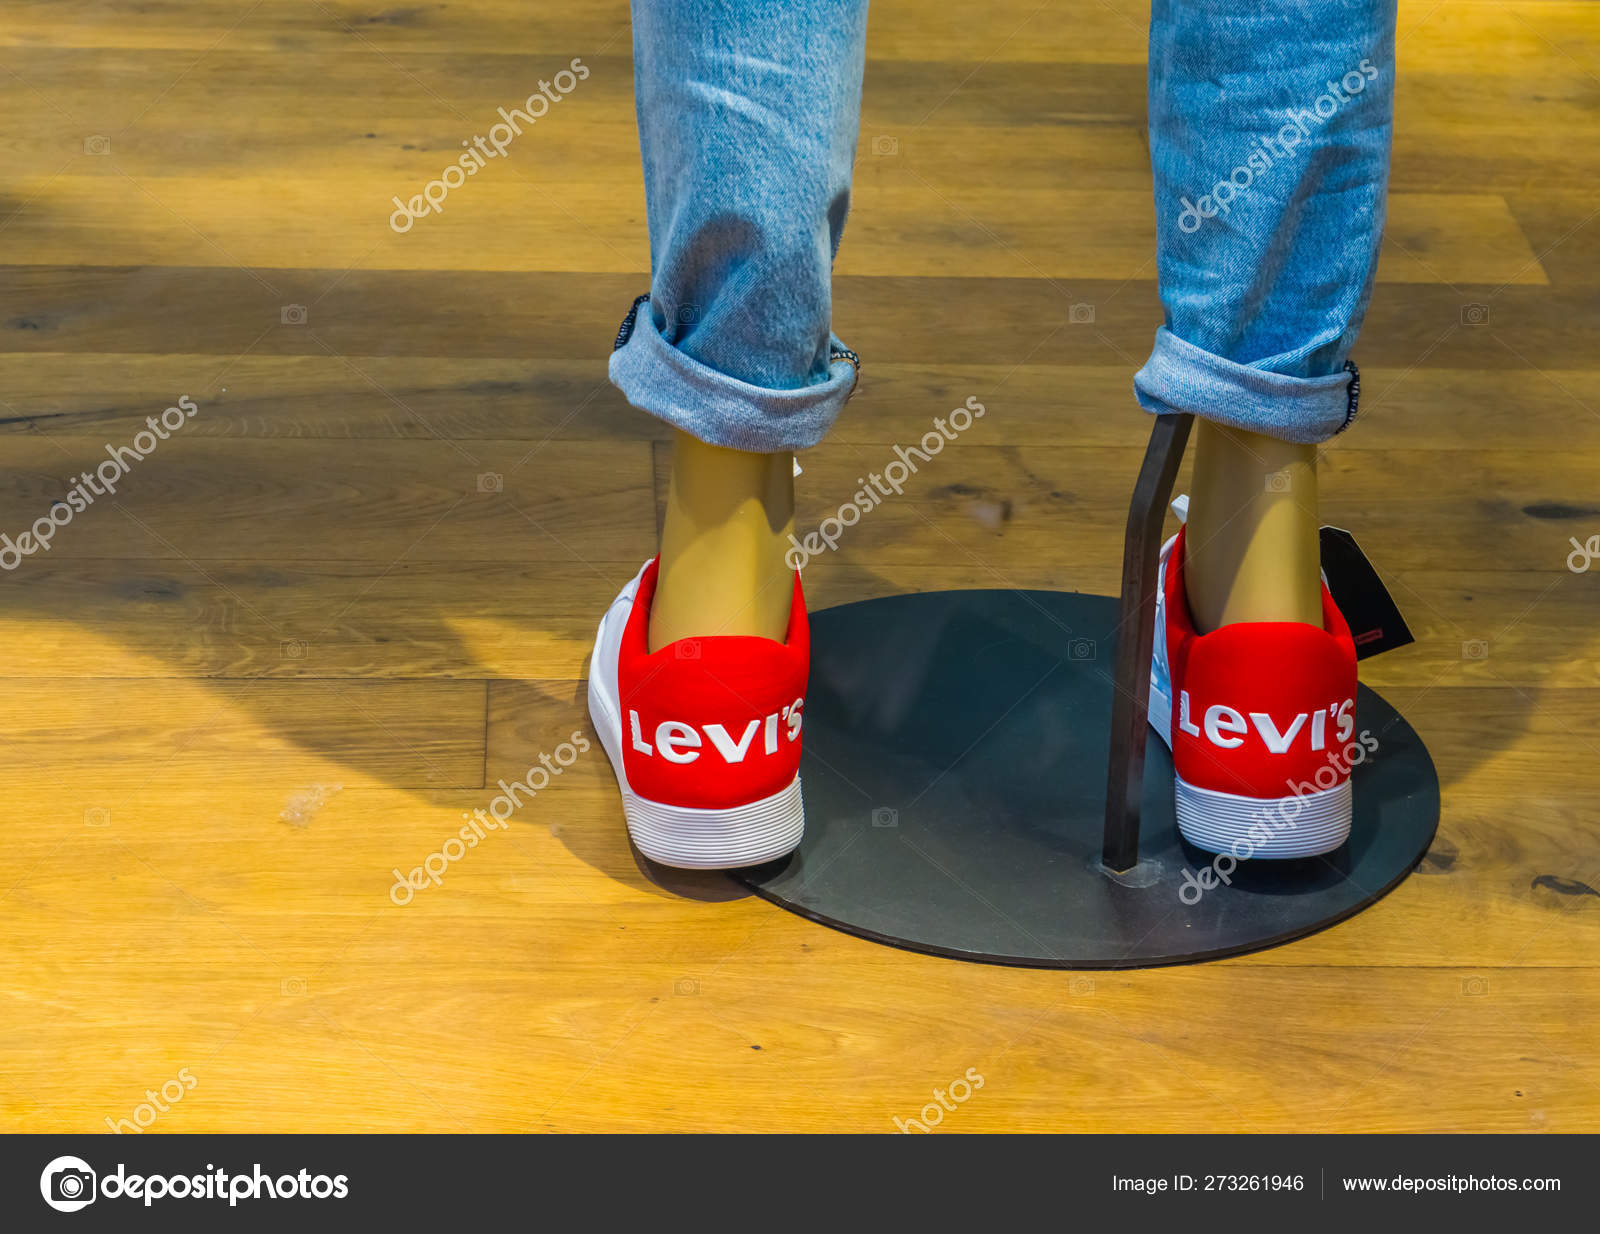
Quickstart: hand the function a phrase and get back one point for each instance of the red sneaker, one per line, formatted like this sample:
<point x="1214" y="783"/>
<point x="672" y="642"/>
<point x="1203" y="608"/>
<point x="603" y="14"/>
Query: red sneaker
<point x="704" y="734"/>
<point x="1264" y="726"/>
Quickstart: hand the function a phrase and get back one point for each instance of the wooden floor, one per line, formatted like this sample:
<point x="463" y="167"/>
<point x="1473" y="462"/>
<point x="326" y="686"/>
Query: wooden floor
<point x="312" y="628"/>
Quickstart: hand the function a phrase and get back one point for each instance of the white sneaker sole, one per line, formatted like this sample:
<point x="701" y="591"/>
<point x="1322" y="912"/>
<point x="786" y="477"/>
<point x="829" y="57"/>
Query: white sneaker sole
<point x="686" y="837"/>
<point x="1282" y="828"/>
<point x="1305" y="825"/>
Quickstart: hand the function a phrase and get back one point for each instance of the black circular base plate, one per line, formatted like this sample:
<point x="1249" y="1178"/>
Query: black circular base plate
<point x="956" y="746"/>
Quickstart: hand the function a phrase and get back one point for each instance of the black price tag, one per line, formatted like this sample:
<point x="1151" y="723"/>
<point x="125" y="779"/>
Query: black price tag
<point x="1375" y="621"/>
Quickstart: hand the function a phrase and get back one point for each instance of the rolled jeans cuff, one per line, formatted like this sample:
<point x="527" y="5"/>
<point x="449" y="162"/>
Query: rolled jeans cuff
<point x="1180" y="377"/>
<point x="723" y="411"/>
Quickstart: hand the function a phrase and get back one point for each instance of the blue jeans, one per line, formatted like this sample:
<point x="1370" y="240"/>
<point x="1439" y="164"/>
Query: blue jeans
<point x="1269" y="137"/>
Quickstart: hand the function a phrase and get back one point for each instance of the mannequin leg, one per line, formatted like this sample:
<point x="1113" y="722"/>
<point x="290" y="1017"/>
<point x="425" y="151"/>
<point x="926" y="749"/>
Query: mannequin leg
<point x="729" y="517"/>
<point x="1253" y="545"/>
<point x="748" y="116"/>
<point x="1270" y="202"/>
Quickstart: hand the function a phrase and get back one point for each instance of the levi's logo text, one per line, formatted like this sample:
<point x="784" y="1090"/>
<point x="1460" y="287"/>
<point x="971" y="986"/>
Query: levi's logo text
<point x="679" y="742"/>
<point x="1228" y="728"/>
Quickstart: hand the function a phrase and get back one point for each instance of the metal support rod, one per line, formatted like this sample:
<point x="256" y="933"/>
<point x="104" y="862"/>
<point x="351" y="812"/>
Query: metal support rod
<point x="1130" y="701"/>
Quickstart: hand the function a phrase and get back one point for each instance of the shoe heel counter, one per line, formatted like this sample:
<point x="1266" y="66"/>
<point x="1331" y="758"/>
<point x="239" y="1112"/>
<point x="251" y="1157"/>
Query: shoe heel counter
<point x="715" y="722"/>
<point x="1263" y="709"/>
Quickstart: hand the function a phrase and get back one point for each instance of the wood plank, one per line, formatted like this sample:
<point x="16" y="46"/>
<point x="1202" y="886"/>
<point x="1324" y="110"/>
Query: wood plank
<point x="1028" y="123"/>
<point x="103" y="735"/>
<point x="512" y="223"/>
<point x="1007" y="322"/>
<point x="900" y="29"/>
<point x="304" y="620"/>
<point x="108" y="396"/>
<point x="142" y="103"/>
<point x="1526" y="34"/>
<point x="201" y="499"/>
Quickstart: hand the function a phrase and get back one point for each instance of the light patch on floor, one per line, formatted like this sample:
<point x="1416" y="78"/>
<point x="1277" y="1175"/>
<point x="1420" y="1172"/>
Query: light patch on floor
<point x="304" y="803"/>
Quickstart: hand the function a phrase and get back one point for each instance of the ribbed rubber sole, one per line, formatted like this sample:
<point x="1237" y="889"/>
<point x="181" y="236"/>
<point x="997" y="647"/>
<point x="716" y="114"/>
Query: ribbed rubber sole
<point x="1299" y="825"/>
<point x="701" y="839"/>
